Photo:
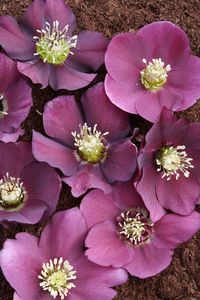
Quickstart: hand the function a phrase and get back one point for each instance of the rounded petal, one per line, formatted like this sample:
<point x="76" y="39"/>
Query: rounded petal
<point x="42" y="183"/>
<point x="36" y="70"/>
<point x="173" y="229"/>
<point x="68" y="230"/>
<point x="185" y="82"/>
<point x="89" y="52"/>
<point x="64" y="77"/>
<point x="149" y="261"/>
<point x="124" y="94"/>
<point x="55" y="154"/>
<point x="98" y="207"/>
<point x="124" y="57"/>
<point x="61" y="117"/>
<point x="88" y="176"/>
<point x="9" y="163"/>
<point x="105" y="247"/>
<point x="167" y="41"/>
<point x="120" y="162"/>
<point x="14" y="41"/>
<point x="99" y="110"/>
<point x="180" y="195"/>
<point x="22" y="255"/>
<point x="126" y="196"/>
<point x="9" y="73"/>
<point x="33" y="18"/>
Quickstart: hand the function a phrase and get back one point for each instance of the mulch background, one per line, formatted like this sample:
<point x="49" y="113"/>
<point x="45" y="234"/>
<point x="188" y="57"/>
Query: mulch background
<point x="181" y="279"/>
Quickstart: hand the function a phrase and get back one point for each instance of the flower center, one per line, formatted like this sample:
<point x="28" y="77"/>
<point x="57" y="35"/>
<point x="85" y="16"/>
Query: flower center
<point x="3" y="106"/>
<point x="173" y="160"/>
<point x="12" y="194"/>
<point x="154" y="76"/>
<point x="90" y="143"/>
<point x="54" y="46"/>
<point x="56" y="277"/>
<point x="134" y="226"/>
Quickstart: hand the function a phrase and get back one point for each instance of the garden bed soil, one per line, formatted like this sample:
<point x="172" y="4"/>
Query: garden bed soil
<point x="181" y="279"/>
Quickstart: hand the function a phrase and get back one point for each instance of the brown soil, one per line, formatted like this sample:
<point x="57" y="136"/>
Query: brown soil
<point x="180" y="280"/>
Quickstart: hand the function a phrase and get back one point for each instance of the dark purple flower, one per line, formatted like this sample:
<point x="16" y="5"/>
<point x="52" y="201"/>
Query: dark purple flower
<point x="89" y="143"/>
<point x="55" y="266"/>
<point x="151" y="69"/>
<point x="169" y="166"/>
<point x="123" y="235"/>
<point x="29" y="190"/>
<point x="46" y="50"/>
<point x="15" y="100"/>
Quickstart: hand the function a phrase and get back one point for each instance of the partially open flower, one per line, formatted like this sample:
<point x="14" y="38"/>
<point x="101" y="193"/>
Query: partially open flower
<point x="29" y="190"/>
<point x="169" y="166"/>
<point x="122" y="233"/>
<point x="55" y="266"/>
<point x="15" y="100"/>
<point x="46" y="50"/>
<point x="151" y="69"/>
<point x="89" y="142"/>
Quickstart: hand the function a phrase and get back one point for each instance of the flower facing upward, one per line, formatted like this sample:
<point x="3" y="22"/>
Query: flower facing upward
<point x="59" y="269"/>
<point x="122" y="233"/>
<point x="46" y="50"/>
<point x="89" y="142"/>
<point x="169" y="166"/>
<point x="29" y="190"/>
<point x="151" y="69"/>
<point x="15" y="100"/>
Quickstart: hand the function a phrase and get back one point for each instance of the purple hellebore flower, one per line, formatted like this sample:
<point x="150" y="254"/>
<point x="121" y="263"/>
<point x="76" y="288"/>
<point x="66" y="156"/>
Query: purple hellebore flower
<point x="55" y="266"/>
<point x="123" y="235"/>
<point x="151" y="69"/>
<point x="29" y="190"/>
<point x="47" y="52"/>
<point x="169" y="166"/>
<point x="15" y="100"/>
<point x="89" y="143"/>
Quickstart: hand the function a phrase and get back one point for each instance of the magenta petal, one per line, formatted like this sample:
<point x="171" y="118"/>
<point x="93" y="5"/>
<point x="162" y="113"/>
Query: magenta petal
<point x="147" y="189"/>
<point x="72" y="229"/>
<point x="155" y="101"/>
<point x="58" y="10"/>
<point x="87" y="177"/>
<point x="105" y="246"/>
<point x="23" y="256"/>
<point x="173" y="229"/>
<point x="55" y="154"/>
<point x="180" y="195"/>
<point x="89" y="52"/>
<point x="42" y="183"/>
<point x="61" y="117"/>
<point x="99" y="110"/>
<point x="9" y="73"/>
<point x="16" y="297"/>
<point x="124" y="57"/>
<point x="126" y="196"/>
<point x="33" y="17"/>
<point x="149" y="261"/>
<point x="36" y="70"/>
<point x="64" y="77"/>
<point x="120" y="161"/>
<point x="11" y="137"/>
<point x="14" y="41"/>
<point x="185" y="81"/>
<point x="98" y="207"/>
<point x="166" y="41"/>
<point x="123" y="94"/>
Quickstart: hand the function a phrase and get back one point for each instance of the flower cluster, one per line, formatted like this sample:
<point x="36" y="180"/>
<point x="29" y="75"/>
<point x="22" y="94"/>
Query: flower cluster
<point x="138" y="201"/>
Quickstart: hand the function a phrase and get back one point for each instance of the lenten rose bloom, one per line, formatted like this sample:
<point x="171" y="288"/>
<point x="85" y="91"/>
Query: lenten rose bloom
<point x="15" y="100"/>
<point x="169" y="166"/>
<point x="151" y="69"/>
<point x="88" y="142"/>
<point x="47" y="52"/>
<point x="123" y="235"/>
<point x="55" y="266"/>
<point x="29" y="190"/>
